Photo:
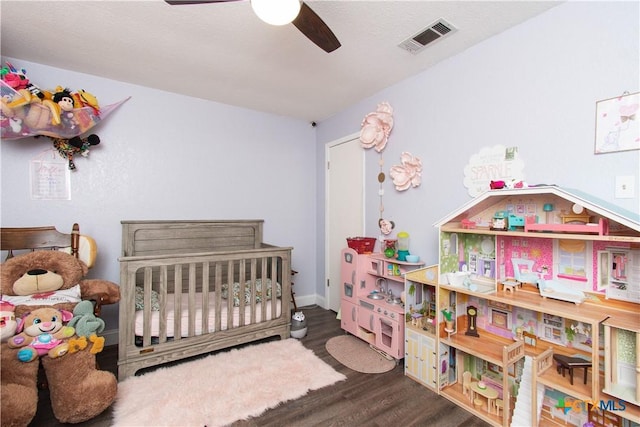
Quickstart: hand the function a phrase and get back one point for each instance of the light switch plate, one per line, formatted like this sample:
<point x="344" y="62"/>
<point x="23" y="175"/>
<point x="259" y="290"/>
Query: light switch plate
<point x="625" y="187"/>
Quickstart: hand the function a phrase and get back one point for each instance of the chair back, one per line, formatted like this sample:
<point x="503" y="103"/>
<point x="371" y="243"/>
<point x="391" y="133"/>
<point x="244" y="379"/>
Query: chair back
<point x="43" y="238"/>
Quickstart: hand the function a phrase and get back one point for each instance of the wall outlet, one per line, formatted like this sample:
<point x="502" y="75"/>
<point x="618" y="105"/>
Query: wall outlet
<point x="625" y="187"/>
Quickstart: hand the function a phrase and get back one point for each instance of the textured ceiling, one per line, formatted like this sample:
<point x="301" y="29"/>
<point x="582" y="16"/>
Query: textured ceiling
<point x="223" y="52"/>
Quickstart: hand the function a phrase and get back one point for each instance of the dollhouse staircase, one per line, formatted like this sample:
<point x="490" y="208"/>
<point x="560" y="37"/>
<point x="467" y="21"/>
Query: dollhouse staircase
<point x="522" y="411"/>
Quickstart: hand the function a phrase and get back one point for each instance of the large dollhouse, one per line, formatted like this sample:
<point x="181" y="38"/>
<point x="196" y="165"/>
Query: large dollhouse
<point x="544" y="287"/>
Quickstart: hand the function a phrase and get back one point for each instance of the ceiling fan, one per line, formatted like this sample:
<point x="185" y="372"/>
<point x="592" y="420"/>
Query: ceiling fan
<point x="307" y="21"/>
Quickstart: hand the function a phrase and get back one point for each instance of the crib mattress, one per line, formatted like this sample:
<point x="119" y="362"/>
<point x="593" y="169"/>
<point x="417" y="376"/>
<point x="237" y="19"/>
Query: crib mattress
<point x="155" y="316"/>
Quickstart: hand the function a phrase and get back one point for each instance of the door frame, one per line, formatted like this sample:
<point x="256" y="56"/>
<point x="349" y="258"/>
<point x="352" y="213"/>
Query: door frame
<point x="327" y="256"/>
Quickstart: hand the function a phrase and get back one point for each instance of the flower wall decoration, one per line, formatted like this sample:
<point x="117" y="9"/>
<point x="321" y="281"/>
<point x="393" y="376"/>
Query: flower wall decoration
<point x="408" y="174"/>
<point x="376" y="127"/>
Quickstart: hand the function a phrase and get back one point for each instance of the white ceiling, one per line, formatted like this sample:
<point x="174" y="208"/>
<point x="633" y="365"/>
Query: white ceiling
<point x="223" y="52"/>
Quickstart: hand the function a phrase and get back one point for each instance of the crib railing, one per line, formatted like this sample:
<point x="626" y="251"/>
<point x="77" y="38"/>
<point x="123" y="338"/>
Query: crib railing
<point x="192" y="281"/>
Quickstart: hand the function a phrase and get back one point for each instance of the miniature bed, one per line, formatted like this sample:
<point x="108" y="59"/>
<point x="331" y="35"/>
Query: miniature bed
<point x="192" y="287"/>
<point x="556" y="290"/>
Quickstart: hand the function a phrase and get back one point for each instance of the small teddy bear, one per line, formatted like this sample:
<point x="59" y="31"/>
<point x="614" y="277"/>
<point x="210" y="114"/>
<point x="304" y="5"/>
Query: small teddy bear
<point x="42" y="332"/>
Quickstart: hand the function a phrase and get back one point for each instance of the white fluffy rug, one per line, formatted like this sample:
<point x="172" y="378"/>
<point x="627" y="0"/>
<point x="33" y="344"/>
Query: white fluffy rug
<point x="223" y="388"/>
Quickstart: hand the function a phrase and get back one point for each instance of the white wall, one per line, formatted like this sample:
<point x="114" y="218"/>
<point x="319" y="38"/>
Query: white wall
<point x="534" y="86"/>
<point x="166" y="156"/>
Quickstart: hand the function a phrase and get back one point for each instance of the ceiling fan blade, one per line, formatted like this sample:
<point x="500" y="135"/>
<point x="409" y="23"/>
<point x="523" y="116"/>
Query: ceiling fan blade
<point x="312" y="26"/>
<point x="307" y="21"/>
<point x="179" y="2"/>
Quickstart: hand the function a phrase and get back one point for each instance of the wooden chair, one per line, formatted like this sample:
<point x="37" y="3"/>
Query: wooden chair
<point x="48" y="238"/>
<point x="39" y="238"/>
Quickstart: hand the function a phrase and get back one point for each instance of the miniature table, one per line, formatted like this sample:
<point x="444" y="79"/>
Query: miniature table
<point x="510" y="285"/>
<point x="566" y="362"/>
<point x="488" y="392"/>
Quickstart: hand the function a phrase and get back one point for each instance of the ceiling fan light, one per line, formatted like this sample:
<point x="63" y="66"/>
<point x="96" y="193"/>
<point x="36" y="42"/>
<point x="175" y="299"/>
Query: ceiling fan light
<point x="276" y="12"/>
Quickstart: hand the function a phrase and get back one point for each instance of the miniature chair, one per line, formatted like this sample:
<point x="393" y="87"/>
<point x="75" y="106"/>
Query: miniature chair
<point x="499" y="406"/>
<point x="466" y="382"/>
<point x="523" y="271"/>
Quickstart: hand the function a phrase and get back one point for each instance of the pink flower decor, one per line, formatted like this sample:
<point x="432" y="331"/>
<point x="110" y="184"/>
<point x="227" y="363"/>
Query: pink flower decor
<point x="408" y="174"/>
<point x="376" y="127"/>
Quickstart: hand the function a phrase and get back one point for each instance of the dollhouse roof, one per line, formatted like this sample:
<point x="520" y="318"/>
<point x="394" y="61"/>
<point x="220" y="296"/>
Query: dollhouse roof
<point x="595" y="206"/>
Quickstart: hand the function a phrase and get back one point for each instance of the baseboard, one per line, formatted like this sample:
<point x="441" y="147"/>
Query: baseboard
<point x="110" y="337"/>
<point x="306" y="300"/>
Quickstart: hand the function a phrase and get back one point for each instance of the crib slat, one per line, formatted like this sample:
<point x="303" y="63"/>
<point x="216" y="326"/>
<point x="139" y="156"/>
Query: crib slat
<point x="192" y="300"/>
<point x="254" y="263"/>
<point x="230" y="276"/>
<point x="177" y="307"/>
<point x="146" y="315"/>
<point x="274" y="283"/>
<point x="205" y="297"/>
<point x="164" y="278"/>
<point x="218" y="290"/>
<point x="242" y="291"/>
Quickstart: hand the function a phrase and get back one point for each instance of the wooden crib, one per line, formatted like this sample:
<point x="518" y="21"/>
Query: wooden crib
<point x="192" y="287"/>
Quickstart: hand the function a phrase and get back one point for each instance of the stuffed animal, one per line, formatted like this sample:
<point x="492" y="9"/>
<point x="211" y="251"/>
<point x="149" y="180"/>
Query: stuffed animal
<point x="77" y="389"/>
<point x="84" y="321"/>
<point x="8" y="324"/>
<point x="42" y="332"/>
<point x="67" y="148"/>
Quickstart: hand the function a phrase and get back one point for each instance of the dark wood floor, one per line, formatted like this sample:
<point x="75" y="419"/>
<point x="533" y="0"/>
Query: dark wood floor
<point x="389" y="399"/>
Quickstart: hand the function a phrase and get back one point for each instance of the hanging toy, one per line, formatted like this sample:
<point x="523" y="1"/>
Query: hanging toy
<point x="67" y="148"/>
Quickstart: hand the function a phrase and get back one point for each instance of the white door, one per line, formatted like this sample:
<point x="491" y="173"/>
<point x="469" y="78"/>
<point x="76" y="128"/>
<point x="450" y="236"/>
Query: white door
<point x="344" y="211"/>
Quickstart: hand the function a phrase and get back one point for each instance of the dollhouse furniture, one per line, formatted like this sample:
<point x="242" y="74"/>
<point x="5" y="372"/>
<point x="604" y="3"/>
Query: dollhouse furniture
<point x="570" y="363"/>
<point x="601" y="227"/>
<point x="466" y="383"/>
<point x="526" y="365"/>
<point x="416" y="319"/>
<point x="192" y="287"/>
<point x="556" y="290"/>
<point x="499" y="406"/>
<point x="488" y="393"/>
<point x="523" y="271"/>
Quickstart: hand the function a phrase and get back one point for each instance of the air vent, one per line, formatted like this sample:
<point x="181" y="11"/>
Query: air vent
<point x="433" y="32"/>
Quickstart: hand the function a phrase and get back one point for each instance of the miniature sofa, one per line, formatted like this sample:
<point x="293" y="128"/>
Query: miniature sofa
<point x="556" y="290"/>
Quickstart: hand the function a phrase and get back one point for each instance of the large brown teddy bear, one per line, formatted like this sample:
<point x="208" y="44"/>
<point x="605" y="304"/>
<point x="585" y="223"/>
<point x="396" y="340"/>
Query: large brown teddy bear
<point x="78" y="390"/>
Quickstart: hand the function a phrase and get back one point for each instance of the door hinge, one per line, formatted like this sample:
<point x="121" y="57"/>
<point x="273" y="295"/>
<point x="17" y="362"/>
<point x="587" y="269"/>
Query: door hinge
<point x="328" y="283"/>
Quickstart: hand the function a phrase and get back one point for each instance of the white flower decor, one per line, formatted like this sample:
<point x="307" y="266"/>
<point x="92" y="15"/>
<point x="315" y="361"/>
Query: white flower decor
<point x="408" y="174"/>
<point x="376" y="127"/>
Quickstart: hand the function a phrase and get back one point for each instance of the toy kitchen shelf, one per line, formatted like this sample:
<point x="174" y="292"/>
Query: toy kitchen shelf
<point x="572" y="246"/>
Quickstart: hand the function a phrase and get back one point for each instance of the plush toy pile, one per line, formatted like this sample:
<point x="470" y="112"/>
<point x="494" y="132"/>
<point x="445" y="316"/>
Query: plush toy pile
<point x="49" y="297"/>
<point x="28" y="109"/>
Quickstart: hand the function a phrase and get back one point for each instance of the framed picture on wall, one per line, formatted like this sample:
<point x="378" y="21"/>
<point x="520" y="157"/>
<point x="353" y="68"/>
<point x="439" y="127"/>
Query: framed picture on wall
<point x="617" y="124"/>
